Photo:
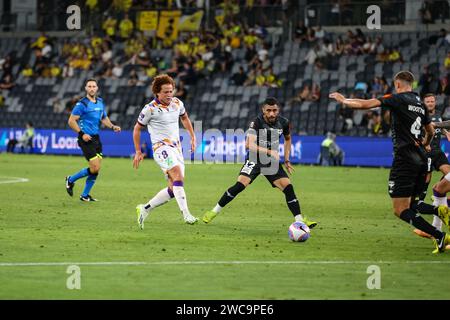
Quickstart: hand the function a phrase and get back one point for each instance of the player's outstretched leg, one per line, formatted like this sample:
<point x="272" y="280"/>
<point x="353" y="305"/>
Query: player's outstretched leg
<point x="227" y="197"/>
<point x="294" y="206"/>
<point x="70" y="180"/>
<point x="143" y="210"/>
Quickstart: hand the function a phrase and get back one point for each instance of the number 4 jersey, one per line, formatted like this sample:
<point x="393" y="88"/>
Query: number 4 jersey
<point x="408" y="117"/>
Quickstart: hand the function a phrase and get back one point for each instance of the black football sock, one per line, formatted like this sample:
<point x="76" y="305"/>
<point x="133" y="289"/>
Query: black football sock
<point x="291" y="200"/>
<point x="424" y="208"/>
<point x="423" y="194"/>
<point x="420" y="223"/>
<point x="231" y="193"/>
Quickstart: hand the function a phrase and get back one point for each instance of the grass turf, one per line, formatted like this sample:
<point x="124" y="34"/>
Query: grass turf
<point x="246" y="247"/>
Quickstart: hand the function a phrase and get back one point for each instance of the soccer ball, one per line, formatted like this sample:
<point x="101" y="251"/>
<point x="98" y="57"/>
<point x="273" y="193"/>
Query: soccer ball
<point x="299" y="232"/>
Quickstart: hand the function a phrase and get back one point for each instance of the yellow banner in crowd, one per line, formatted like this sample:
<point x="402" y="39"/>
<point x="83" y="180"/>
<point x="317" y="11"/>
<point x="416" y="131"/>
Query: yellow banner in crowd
<point x="168" y="24"/>
<point x="191" y="22"/>
<point x="147" y="20"/>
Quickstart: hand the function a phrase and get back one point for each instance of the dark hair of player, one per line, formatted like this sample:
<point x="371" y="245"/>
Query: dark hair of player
<point x="270" y="101"/>
<point x="429" y="95"/>
<point x="161" y="80"/>
<point x="89" y="80"/>
<point x="405" y="76"/>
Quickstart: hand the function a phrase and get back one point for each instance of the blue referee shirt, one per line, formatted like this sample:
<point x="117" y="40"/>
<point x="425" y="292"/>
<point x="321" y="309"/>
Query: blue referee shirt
<point x="91" y="114"/>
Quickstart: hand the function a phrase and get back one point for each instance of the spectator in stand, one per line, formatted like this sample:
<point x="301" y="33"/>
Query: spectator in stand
<point x="126" y="27"/>
<point x="447" y="61"/>
<point x="376" y="87"/>
<point x="395" y="55"/>
<point x="311" y="35"/>
<point x="319" y="33"/>
<point x="300" y="33"/>
<point x="385" y="87"/>
<point x="109" y="26"/>
<point x="7" y="82"/>
<point x="376" y="126"/>
<point x="181" y="91"/>
<point x="133" y="78"/>
<point x="429" y="83"/>
<point x="315" y="93"/>
<point x="425" y="12"/>
<point x="339" y="46"/>
<point x="239" y="78"/>
<point x="346" y="114"/>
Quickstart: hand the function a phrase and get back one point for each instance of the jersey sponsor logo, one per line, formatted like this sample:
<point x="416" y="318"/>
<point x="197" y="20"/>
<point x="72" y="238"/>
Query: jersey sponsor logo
<point x="416" y="109"/>
<point x="141" y="116"/>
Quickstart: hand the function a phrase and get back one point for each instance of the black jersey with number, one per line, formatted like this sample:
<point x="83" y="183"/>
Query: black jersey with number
<point x="408" y="117"/>
<point x="268" y="134"/>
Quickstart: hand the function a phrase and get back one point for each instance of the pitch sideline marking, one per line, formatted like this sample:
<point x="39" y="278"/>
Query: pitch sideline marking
<point x="165" y="263"/>
<point x="13" y="180"/>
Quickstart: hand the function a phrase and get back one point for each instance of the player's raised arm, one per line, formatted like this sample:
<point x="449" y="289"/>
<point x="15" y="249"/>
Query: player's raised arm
<point x="138" y="156"/>
<point x="355" y="103"/>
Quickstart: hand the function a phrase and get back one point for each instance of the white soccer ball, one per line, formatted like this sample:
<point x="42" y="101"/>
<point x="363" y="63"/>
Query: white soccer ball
<point x="299" y="232"/>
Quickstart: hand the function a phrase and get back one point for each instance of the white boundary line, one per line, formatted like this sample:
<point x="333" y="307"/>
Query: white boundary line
<point x="165" y="263"/>
<point x="13" y="180"/>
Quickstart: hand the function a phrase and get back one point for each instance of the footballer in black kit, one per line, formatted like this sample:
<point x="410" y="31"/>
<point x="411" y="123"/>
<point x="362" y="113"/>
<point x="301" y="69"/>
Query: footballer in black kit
<point x="409" y="167"/>
<point x="262" y="144"/>
<point x="267" y="136"/>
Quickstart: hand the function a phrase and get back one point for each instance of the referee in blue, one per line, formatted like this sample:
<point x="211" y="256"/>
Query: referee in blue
<point x="85" y="120"/>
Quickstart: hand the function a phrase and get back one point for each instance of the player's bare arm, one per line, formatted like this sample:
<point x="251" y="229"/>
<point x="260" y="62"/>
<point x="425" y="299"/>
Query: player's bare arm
<point x="73" y="124"/>
<point x="443" y="124"/>
<point x="355" y="103"/>
<point x="138" y="156"/>
<point x="429" y="133"/>
<point x="187" y="124"/>
<point x="107" y="123"/>
<point x="287" y="153"/>
<point x="251" y="145"/>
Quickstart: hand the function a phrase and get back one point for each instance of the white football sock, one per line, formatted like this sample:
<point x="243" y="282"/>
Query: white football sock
<point x="437" y="223"/>
<point x="298" y="218"/>
<point x="217" y="208"/>
<point x="180" y="196"/>
<point x="161" y="197"/>
<point x="438" y="201"/>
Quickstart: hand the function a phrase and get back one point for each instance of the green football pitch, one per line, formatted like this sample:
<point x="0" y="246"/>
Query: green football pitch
<point x="245" y="253"/>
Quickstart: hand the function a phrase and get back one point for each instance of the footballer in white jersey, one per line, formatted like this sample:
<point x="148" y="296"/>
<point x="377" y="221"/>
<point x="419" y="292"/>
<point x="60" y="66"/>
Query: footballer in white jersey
<point x="161" y="118"/>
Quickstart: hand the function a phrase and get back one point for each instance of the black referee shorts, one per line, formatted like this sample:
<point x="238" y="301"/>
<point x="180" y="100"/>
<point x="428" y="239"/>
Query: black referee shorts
<point x="91" y="149"/>
<point x="253" y="170"/>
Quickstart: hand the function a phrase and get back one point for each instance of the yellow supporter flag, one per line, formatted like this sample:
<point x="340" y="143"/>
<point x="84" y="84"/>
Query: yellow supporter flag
<point x="168" y="24"/>
<point x="147" y="20"/>
<point x="191" y="22"/>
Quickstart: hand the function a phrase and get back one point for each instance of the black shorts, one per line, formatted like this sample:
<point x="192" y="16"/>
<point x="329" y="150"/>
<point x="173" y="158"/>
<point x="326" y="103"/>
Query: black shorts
<point x="253" y="170"/>
<point x="91" y="149"/>
<point x="436" y="160"/>
<point x="407" y="178"/>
